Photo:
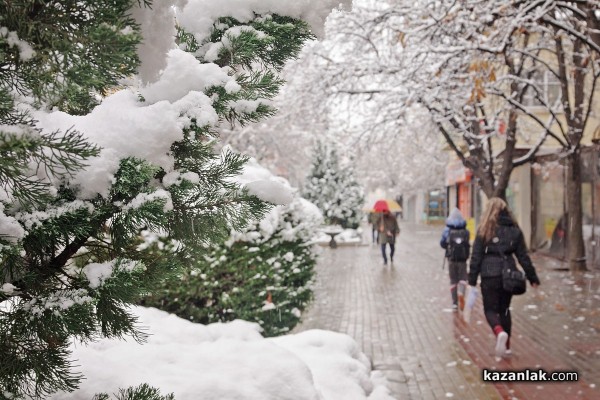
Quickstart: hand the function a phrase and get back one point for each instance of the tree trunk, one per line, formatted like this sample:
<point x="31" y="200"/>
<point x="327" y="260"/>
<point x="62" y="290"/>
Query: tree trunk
<point x="575" y="244"/>
<point x="500" y="192"/>
<point x="489" y="185"/>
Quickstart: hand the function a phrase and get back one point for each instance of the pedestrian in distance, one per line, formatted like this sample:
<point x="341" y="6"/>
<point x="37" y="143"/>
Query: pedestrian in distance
<point x="373" y="219"/>
<point x="388" y="230"/>
<point x="455" y="240"/>
<point x="498" y="239"/>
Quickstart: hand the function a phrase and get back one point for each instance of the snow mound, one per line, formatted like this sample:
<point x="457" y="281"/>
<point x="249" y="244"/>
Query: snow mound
<point x="227" y="361"/>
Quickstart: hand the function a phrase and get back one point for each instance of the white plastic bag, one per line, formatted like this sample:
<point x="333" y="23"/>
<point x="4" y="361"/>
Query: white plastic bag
<point x="471" y="298"/>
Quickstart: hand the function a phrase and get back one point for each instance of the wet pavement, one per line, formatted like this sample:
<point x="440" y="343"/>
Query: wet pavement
<point x="400" y="315"/>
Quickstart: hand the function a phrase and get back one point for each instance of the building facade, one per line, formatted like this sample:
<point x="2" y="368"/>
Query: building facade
<point x="536" y="197"/>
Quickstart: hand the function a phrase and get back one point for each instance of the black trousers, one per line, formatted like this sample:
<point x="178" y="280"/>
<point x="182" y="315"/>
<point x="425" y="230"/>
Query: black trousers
<point x="496" y="303"/>
<point x="392" y="249"/>
<point x="458" y="272"/>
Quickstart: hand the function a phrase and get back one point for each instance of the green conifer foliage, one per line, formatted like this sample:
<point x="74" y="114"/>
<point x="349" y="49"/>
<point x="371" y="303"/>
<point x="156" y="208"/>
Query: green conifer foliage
<point x="74" y="264"/>
<point x="333" y="188"/>
<point x="141" y="392"/>
<point x="255" y="51"/>
<point x="233" y="280"/>
<point x="56" y="54"/>
<point x="255" y="276"/>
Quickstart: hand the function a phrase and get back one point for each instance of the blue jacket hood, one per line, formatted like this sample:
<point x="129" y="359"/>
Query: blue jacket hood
<point x="455" y="220"/>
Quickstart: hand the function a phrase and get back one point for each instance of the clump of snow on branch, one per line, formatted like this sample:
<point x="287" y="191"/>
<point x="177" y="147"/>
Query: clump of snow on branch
<point x="98" y="273"/>
<point x="263" y="184"/>
<point x="198" y="16"/>
<point x="26" y="52"/>
<point x="10" y="229"/>
<point x="8" y="288"/>
<point x="124" y="127"/>
<point x="305" y="216"/>
<point x="157" y="27"/>
<point x="183" y="74"/>
<point x="143" y="198"/>
<point x="34" y="219"/>
<point x="57" y="301"/>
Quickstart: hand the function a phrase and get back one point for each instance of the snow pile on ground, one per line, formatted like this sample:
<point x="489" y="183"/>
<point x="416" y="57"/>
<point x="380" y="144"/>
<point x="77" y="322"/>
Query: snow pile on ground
<point x="346" y="236"/>
<point x="228" y="361"/>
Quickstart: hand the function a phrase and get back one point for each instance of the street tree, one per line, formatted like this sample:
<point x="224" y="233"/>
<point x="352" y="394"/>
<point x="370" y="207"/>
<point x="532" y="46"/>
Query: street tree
<point x="572" y="34"/>
<point x="108" y="128"/>
<point x="396" y="162"/>
<point x="476" y="67"/>
<point x="545" y="55"/>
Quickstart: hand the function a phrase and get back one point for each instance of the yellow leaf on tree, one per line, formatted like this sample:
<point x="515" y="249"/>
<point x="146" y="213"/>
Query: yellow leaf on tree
<point x="402" y="39"/>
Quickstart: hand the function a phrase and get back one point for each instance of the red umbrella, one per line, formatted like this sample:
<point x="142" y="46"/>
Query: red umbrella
<point x="386" y="204"/>
<point x="381" y="205"/>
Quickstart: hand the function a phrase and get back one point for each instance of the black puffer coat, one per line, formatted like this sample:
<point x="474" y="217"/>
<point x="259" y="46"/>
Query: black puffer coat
<point x="486" y="258"/>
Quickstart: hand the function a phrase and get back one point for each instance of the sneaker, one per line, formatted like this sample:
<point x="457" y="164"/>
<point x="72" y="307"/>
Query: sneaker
<point x="454" y="307"/>
<point x="501" y="344"/>
<point x="508" y="353"/>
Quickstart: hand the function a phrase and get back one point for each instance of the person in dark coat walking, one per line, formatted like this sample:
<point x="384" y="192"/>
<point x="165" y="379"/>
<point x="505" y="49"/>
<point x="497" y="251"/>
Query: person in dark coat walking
<point x="498" y="237"/>
<point x="455" y="240"/>
<point x="388" y="228"/>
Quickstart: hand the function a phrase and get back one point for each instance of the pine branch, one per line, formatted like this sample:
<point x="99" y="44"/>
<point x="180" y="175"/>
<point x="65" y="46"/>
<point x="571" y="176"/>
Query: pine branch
<point x="141" y="392"/>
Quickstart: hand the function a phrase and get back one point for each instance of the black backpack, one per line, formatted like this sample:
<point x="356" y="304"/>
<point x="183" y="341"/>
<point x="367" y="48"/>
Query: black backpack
<point x="458" y="245"/>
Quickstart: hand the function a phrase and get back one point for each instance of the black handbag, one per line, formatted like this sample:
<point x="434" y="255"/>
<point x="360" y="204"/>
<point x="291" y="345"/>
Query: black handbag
<point x="513" y="280"/>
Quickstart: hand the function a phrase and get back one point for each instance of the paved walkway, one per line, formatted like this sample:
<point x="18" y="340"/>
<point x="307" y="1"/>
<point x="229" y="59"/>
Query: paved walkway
<point x="400" y="315"/>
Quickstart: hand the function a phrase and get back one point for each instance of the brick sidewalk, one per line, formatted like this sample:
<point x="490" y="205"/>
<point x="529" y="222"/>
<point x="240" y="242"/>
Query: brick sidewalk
<point x="400" y="316"/>
<point x="554" y="328"/>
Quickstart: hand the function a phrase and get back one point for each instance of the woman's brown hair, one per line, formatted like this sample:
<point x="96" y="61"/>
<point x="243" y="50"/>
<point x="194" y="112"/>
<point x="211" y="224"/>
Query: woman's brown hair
<point x="489" y="219"/>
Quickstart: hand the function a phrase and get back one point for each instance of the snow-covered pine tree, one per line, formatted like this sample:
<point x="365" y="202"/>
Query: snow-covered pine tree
<point x="352" y="196"/>
<point x="315" y="182"/>
<point x="333" y="188"/>
<point x="70" y="254"/>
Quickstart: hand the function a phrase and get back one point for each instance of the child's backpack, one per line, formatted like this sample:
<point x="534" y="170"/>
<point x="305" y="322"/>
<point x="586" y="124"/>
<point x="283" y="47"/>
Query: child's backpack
<point x="458" y="245"/>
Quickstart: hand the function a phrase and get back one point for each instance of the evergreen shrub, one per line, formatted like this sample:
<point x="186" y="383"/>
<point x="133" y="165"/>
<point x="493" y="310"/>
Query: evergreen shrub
<point x="262" y="274"/>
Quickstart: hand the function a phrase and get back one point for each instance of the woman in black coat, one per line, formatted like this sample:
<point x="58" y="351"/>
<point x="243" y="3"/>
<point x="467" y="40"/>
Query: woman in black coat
<point x="498" y="237"/>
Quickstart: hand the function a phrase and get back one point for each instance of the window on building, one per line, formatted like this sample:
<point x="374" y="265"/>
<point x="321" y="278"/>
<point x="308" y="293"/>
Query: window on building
<point x="547" y="88"/>
<point x="436" y="204"/>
